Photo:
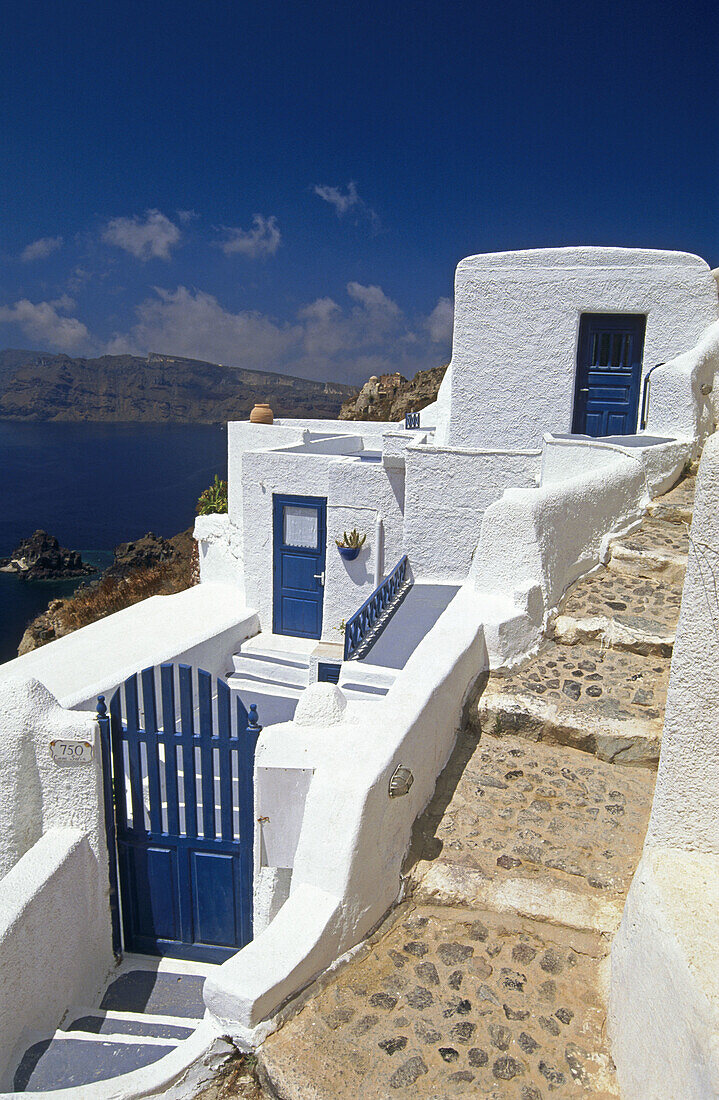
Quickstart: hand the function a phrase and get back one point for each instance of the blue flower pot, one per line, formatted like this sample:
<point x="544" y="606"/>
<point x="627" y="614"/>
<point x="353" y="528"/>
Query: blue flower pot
<point x="349" y="553"/>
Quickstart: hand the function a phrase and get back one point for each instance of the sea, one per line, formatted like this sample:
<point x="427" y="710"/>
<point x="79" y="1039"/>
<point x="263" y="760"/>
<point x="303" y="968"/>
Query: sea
<point x="94" y="486"/>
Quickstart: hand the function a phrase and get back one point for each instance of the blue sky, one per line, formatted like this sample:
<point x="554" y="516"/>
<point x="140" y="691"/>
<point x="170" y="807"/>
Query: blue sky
<point x="290" y="184"/>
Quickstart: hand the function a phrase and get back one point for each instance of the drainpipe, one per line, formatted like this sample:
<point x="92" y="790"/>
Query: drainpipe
<point x="378" y="550"/>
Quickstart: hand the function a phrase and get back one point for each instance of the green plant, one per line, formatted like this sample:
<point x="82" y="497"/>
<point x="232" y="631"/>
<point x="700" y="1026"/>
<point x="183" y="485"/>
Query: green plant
<point x="354" y="540"/>
<point x="213" y="499"/>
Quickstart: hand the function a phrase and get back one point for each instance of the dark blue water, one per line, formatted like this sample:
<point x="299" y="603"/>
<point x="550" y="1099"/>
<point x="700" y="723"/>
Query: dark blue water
<point x="94" y="486"/>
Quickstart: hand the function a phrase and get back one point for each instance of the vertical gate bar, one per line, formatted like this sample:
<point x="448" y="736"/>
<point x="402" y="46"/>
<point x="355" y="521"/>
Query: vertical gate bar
<point x="246" y="766"/>
<point x="133" y="750"/>
<point x="149" y="707"/>
<point x="169" y="734"/>
<point x="224" y="720"/>
<point x="103" y="722"/>
<point x="118" y="760"/>
<point x="204" y="690"/>
<point x="187" y="725"/>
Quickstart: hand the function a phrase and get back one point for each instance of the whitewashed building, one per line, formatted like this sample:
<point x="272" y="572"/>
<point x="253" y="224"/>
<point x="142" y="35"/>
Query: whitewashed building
<point x="580" y="384"/>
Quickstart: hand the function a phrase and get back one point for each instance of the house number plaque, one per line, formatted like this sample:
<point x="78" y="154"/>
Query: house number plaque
<point x="68" y="753"/>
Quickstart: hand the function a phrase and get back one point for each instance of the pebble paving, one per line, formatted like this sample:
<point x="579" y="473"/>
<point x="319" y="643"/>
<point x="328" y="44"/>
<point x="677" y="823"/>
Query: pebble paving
<point x="658" y="536"/>
<point x="635" y="601"/>
<point x="536" y="811"/>
<point x="454" y="1003"/>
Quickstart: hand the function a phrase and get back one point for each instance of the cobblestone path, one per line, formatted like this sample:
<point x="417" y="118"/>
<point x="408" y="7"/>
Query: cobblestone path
<point x="490" y="980"/>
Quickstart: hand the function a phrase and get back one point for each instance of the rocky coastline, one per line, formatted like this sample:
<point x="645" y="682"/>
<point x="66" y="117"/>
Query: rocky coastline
<point x="41" y="558"/>
<point x="148" y="566"/>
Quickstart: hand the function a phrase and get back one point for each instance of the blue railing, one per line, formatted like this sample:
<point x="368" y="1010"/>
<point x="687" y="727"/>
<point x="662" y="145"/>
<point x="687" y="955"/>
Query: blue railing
<point x="359" y="626"/>
<point x="411" y="420"/>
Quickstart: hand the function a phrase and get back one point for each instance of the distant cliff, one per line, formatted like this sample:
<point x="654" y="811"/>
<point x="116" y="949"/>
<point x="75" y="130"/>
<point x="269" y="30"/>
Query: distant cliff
<point x="390" y="396"/>
<point x="158" y="389"/>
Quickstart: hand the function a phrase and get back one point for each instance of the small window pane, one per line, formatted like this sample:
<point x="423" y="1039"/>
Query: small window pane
<point x="300" y="526"/>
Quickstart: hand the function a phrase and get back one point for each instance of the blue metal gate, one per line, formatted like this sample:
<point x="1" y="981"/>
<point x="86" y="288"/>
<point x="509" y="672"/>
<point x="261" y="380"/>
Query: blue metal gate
<point x="183" y="797"/>
<point x="609" y="370"/>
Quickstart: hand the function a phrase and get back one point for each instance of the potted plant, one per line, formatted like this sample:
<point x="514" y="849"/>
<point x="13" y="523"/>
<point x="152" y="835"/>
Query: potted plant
<point x="350" y="545"/>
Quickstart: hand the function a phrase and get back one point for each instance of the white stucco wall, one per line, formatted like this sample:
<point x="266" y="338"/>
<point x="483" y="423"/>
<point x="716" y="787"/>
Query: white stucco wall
<point x="55" y="946"/>
<point x="447" y="492"/>
<point x="664" y="1010"/>
<point x="220" y="551"/>
<point x="353" y="837"/>
<point x="516" y="325"/>
<point x="685" y="812"/>
<point x="680" y="400"/>
<point x="356" y="493"/>
<point x="202" y="626"/>
<point x="547" y="537"/>
<point x="35" y="793"/>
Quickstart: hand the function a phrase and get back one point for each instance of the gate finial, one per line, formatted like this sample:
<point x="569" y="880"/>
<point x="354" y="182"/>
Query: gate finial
<point x="101" y="708"/>
<point x="253" y="720"/>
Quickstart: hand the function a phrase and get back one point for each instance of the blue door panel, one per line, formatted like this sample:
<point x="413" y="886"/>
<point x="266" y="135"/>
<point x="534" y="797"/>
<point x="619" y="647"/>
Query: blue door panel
<point x="299" y="617"/>
<point x="214" y="890"/>
<point x="298" y="570"/>
<point x="298" y="573"/>
<point x="151" y="876"/>
<point x="609" y="368"/>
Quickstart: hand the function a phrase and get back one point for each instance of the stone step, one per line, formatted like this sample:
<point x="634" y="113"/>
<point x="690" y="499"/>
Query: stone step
<point x="603" y="701"/>
<point x="613" y="634"/>
<point x="666" y="544"/>
<point x="100" y="1022"/>
<point x="70" y="1060"/>
<point x="636" y="605"/>
<point x="176" y="993"/>
<point x="676" y="505"/>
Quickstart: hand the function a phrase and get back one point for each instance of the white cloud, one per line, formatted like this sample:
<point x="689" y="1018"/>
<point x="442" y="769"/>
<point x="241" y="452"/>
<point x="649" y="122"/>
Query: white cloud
<point x="186" y="216"/>
<point x="42" y="323"/>
<point x="348" y="200"/>
<point x="440" y="323"/>
<point x="334" y="197"/>
<point x="263" y="239"/>
<point x="41" y="248"/>
<point x="367" y="335"/>
<point x="150" y="238"/>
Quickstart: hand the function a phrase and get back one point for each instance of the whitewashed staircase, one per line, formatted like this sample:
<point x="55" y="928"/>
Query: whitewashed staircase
<point x="149" y="1007"/>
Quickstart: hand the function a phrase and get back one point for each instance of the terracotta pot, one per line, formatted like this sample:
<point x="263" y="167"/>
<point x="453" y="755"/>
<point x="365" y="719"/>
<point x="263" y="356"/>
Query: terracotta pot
<point x="261" y="414"/>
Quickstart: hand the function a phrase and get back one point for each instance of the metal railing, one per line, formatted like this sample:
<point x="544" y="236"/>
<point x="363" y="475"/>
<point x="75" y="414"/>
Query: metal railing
<point x="358" y="628"/>
<point x="411" y="420"/>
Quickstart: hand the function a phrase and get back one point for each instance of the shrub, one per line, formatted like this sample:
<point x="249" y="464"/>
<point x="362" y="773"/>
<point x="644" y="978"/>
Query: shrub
<point x="214" y="499"/>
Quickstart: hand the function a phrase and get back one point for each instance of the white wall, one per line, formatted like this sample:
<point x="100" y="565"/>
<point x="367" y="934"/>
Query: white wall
<point x="55" y="948"/>
<point x="662" y="462"/>
<point x="685" y="812"/>
<point x="516" y="325"/>
<point x="447" y="493"/>
<point x="356" y="492"/>
<point x="664" y="1010"/>
<point x="202" y="626"/>
<point x="548" y="537"/>
<point x="36" y="794"/>
<point x="679" y="395"/>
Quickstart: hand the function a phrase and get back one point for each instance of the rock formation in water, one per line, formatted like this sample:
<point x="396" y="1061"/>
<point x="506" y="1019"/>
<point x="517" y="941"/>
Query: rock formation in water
<point x="42" y="558"/>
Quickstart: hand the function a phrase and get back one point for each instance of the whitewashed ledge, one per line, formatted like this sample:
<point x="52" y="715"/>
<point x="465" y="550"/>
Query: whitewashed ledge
<point x="202" y="626"/>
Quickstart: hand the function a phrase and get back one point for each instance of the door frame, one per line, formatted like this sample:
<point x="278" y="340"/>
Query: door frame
<point x="616" y="321"/>
<point x="279" y="500"/>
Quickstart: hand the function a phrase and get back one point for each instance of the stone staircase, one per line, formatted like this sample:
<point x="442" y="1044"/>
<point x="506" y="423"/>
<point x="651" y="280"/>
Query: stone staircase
<point x="150" y="1006"/>
<point x="491" y="978"/>
<point x="599" y="681"/>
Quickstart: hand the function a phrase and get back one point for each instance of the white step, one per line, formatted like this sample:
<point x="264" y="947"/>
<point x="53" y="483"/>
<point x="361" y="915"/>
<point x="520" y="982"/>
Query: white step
<point x="273" y="667"/>
<point x="282" y="691"/>
<point x="362" y="694"/>
<point x="149" y="1018"/>
<point x="357" y="672"/>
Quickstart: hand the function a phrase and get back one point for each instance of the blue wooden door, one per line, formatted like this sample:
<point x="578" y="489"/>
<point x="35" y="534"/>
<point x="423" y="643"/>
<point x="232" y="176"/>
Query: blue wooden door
<point x="184" y="815"/>
<point x="609" y="371"/>
<point x="299" y="537"/>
